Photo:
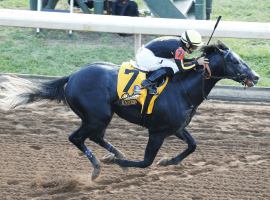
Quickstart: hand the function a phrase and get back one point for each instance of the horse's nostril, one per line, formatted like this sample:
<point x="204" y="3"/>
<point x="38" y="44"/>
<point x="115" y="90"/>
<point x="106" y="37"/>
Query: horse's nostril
<point x="256" y="78"/>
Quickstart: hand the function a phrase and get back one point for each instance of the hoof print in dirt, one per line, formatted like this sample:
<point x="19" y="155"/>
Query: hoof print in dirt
<point x="35" y="147"/>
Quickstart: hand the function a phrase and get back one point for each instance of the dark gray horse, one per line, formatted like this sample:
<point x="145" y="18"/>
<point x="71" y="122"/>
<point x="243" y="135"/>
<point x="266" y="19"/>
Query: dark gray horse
<point x="91" y="93"/>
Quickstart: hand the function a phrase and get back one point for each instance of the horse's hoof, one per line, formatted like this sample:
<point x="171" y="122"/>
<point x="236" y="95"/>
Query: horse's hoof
<point x="162" y="161"/>
<point x="95" y="173"/>
<point x="108" y="158"/>
<point x="125" y="170"/>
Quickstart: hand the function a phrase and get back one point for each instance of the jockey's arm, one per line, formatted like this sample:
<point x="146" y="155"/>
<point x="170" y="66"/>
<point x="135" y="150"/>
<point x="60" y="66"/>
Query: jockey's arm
<point x="182" y="63"/>
<point x="188" y="60"/>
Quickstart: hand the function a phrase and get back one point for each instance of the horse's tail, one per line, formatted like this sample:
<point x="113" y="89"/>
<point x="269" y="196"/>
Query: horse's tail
<point x="18" y="91"/>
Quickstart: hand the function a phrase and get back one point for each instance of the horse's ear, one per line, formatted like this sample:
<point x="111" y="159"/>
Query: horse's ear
<point x="219" y="42"/>
<point x="221" y="45"/>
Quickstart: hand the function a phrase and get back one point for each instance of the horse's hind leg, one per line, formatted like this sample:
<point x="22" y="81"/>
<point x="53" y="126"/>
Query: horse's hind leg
<point x="94" y="130"/>
<point x="78" y="138"/>
<point x="185" y="136"/>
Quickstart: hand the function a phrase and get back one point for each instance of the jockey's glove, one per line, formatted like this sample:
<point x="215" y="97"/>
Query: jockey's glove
<point x="202" y="60"/>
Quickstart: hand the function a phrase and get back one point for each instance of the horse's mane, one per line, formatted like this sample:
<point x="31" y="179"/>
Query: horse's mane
<point x="209" y="49"/>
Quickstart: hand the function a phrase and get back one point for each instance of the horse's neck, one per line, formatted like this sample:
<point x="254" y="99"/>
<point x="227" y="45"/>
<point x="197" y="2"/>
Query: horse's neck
<point x="216" y="66"/>
<point x="196" y="88"/>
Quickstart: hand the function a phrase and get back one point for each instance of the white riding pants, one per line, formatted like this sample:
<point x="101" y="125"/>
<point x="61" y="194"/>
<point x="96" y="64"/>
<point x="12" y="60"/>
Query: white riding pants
<point x="147" y="59"/>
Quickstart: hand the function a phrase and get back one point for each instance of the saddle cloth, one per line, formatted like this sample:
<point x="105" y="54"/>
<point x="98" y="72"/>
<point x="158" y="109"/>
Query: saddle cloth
<point x="129" y="87"/>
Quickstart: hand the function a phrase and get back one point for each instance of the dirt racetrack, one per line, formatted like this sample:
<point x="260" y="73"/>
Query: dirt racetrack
<point x="232" y="159"/>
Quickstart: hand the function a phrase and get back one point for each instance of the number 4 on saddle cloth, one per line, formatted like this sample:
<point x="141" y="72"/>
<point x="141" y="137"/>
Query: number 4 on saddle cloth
<point x="129" y="88"/>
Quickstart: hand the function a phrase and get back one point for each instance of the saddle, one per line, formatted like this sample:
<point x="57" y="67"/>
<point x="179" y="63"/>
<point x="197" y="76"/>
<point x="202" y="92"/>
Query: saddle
<point x="130" y="90"/>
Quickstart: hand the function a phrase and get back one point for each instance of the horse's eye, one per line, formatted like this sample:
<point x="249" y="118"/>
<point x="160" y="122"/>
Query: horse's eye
<point x="236" y="62"/>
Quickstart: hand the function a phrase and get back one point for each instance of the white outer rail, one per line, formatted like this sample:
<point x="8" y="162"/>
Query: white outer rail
<point x="131" y="25"/>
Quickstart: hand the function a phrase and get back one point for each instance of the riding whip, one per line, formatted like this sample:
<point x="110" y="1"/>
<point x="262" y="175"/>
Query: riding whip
<point x="214" y="28"/>
<point x="213" y="31"/>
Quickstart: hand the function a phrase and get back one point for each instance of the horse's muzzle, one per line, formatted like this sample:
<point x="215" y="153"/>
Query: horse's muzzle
<point x="252" y="79"/>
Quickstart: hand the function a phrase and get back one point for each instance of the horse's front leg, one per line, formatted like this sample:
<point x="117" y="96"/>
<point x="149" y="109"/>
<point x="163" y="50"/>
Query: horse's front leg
<point x="153" y="145"/>
<point x="185" y="136"/>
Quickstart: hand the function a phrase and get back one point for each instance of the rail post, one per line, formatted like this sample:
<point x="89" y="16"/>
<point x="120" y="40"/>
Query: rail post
<point x="98" y="6"/>
<point x="138" y="39"/>
<point x="208" y="9"/>
<point x="200" y="9"/>
<point x="33" y="5"/>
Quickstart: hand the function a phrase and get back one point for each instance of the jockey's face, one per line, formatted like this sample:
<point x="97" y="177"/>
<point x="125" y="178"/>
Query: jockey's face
<point x="191" y="50"/>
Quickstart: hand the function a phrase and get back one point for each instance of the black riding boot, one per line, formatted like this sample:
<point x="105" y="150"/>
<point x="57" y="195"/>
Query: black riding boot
<point x="151" y="82"/>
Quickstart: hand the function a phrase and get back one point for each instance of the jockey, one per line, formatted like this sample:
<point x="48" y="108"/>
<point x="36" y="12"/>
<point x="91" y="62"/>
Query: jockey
<point x="165" y="56"/>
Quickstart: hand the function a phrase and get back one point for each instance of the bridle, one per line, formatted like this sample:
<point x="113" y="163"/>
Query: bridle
<point x="240" y="77"/>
